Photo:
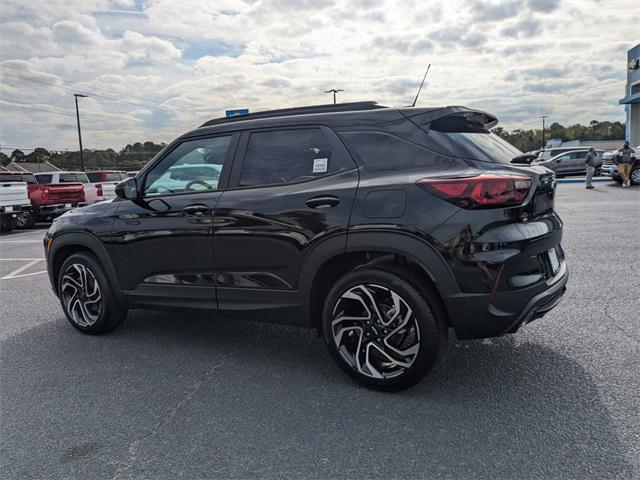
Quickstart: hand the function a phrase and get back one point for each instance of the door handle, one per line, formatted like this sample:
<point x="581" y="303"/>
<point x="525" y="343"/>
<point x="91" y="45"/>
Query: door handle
<point x="322" y="202"/>
<point x="196" y="209"/>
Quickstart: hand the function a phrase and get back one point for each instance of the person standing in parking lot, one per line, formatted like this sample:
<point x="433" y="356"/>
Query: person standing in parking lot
<point x="624" y="161"/>
<point x="590" y="163"/>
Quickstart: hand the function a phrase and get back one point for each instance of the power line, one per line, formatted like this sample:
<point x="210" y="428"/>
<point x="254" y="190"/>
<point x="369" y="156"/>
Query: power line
<point x="89" y="92"/>
<point x="91" y="116"/>
<point x="152" y="103"/>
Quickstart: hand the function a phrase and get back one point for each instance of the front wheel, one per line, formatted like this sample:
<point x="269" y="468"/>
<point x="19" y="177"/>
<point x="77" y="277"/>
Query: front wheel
<point x="634" y="177"/>
<point x="382" y="330"/>
<point x="86" y="296"/>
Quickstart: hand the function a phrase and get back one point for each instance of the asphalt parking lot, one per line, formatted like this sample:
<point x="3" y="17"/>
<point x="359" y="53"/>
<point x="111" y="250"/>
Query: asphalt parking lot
<point x="176" y="395"/>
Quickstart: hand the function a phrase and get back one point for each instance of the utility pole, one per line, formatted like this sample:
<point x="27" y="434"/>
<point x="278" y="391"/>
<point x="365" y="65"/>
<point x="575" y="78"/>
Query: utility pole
<point x="334" y="91"/>
<point x="76" y="95"/>
<point x="543" y="117"/>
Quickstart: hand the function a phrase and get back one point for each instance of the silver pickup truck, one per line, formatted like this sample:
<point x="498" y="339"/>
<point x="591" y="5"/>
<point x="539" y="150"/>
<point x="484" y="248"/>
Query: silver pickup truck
<point x="14" y="203"/>
<point x="610" y="169"/>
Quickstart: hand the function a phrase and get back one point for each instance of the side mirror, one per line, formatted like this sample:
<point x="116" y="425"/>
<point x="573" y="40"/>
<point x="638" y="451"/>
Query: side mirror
<point x="128" y="189"/>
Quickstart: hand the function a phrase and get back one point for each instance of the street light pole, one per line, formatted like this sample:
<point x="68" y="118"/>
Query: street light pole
<point x="334" y="91"/>
<point x="543" y="117"/>
<point x="76" y="95"/>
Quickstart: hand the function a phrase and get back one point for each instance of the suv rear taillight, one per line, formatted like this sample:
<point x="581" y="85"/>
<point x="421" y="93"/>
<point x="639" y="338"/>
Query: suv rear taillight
<point x="480" y="191"/>
<point x="99" y="190"/>
<point x="45" y="194"/>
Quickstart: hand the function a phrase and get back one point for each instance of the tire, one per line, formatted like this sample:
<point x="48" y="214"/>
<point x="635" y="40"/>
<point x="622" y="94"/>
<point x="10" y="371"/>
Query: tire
<point x="26" y="220"/>
<point x="7" y="224"/>
<point x="618" y="180"/>
<point x="368" y="347"/>
<point x="634" y="176"/>
<point x="79" y="276"/>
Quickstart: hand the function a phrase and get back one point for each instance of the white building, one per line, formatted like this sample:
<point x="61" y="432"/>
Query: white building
<point x="631" y="101"/>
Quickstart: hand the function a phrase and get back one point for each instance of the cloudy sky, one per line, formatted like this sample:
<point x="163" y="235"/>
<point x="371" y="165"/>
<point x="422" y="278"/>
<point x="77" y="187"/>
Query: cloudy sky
<point x="155" y="69"/>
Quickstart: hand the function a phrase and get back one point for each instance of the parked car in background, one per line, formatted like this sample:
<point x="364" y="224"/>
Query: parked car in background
<point x="382" y="228"/>
<point x="92" y="192"/>
<point x="610" y="169"/>
<point x="570" y="163"/>
<point x="108" y="179"/>
<point x="47" y="200"/>
<point x="548" y="153"/>
<point x="14" y="202"/>
<point x="132" y="173"/>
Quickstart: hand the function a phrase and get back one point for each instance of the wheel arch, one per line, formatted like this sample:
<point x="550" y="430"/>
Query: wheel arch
<point x="329" y="262"/>
<point x="67" y="244"/>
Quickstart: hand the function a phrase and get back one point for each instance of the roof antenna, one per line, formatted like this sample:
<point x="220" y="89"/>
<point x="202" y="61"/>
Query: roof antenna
<point x="420" y="89"/>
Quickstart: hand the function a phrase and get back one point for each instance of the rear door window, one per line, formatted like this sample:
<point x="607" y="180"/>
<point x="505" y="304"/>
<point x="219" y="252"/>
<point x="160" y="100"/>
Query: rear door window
<point x="289" y="156"/>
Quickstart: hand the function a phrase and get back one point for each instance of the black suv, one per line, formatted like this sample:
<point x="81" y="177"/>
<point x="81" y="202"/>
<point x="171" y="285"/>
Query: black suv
<point x="382" y="228"/>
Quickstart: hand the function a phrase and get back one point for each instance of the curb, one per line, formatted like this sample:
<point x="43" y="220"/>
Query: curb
<point x="582" y="180"/>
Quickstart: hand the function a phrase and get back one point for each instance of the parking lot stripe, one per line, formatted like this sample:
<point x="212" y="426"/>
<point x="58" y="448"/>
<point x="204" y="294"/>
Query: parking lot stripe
<point x="20" y="241"/>
<point x="23" y="275"/>
<point x="19" y="259"/>
<point x="26" y="233"/>
<point x="21" y="269"/>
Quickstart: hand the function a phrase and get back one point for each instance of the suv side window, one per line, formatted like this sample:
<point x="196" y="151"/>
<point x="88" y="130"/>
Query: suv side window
<point x="289" y="156"/>
<point x="193" y="166"/>
<point x="381" y="151"/>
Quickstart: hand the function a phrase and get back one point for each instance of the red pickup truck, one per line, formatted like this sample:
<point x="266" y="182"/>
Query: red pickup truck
<point x="47" y="200"/>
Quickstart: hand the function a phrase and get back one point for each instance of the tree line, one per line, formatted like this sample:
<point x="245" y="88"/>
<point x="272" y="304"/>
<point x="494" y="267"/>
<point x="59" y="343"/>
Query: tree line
<point x="527" y="140"/>
<point x="131" y="157"/>
<point x="134" y="156"/>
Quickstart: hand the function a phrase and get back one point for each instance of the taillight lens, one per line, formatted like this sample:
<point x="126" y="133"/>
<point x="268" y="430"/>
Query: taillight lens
<point x="99" y="190"/>
<point x="45" y="194"/>
<point x="481" y="191"/>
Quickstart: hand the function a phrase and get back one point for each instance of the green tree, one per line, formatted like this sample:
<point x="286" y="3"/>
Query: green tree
<point x="17" y="155"/>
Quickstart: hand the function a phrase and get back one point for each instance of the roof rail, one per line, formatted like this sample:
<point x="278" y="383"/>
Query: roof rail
<point x="285" y="112"/>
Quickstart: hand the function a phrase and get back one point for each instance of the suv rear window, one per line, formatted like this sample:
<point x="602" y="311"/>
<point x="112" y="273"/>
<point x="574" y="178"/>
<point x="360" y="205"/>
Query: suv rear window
<point x="486" y="147"/>
<point x="289" y="156"/>
<point x="380" y="151"/>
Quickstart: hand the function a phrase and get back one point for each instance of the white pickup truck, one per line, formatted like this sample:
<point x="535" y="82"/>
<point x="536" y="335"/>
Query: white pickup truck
<point x="14" y="203"/>
<point x="108" y="179"/>
<point x="92" y="192"/>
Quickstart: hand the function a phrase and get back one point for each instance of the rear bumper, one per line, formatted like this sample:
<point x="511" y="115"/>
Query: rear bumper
<point x="483" y="315"/>
<point x="15" y="209"/>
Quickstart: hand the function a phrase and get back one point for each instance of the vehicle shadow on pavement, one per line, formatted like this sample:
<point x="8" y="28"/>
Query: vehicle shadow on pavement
<point x="177" y="395"/>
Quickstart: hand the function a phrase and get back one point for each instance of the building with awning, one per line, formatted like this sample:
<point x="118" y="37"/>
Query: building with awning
<point x="631" y="101"/>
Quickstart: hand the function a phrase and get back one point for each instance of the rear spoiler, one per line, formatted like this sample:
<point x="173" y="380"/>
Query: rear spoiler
<point x="452" y="119"/>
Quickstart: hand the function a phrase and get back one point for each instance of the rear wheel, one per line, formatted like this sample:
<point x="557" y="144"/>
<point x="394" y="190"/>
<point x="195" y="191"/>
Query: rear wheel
<point x="382" y="330"/>
<point x="26" y="220"/>
<point x="86" y="296"/>
<point x="635" y="176"/>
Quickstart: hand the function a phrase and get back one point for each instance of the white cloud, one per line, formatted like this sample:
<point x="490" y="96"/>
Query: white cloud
<point x="175" y="64"/>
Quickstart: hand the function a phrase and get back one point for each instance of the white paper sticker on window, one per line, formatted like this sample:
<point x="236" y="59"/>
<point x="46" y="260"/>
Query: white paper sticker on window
<point x="320" y="165"/>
